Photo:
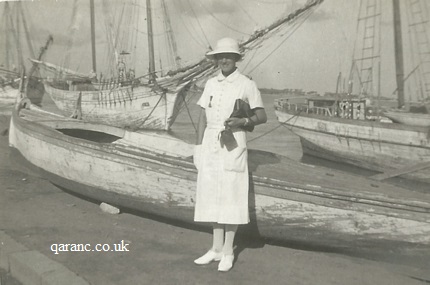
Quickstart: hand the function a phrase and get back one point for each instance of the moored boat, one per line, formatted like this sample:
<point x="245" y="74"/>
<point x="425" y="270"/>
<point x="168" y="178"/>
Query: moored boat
<point x="8" y="93"/>
<point x="374" y="145"/>
<point x="408" y="118"/>
<point x="343" y="129"/>
<point x="152" y="172"/>
<point x="152" y="100"/>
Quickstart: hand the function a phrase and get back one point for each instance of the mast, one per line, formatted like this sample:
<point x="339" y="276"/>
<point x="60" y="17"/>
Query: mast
<point x="339" y="78"/>
<point x="170" y="36"/>
<point x="150" y="41"/>
<point x="27" y="32"/>
<point x="18" y="39"/>
<point x="5" y="13"/>
<point x="93" y="36"/>
<point x="33" y="68"/>
<point x="398" y="54"/>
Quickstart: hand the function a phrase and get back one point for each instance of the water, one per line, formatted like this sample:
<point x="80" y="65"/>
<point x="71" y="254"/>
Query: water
<point x="273" y="137"/>
<point x="270" y="137"/>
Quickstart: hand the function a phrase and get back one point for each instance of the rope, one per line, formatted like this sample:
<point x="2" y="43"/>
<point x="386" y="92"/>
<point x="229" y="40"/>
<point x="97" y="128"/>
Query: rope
<point x="153" y="109"/>
<point x="186" y="27"/>
<point x="285" y="39"/>
<point x="222" y="22"/>
<point x="270" y="2"/>
<point x="281" y="124"/>
<point x="198" y="22"/>
<point x="189" y="113"/>
<point x="244" y="10"/>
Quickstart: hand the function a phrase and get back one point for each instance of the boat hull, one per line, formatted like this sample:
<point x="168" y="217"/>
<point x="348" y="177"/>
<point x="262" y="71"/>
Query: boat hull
<point x="113" y="171"/>
<point x="9" y="93"/>
<point x="367" y="144"/>
<point x="129" y="107"/>
<point x="412" y="119"/>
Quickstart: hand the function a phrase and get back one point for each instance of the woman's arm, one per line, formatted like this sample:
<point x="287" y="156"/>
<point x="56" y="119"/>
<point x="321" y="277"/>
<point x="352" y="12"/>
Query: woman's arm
<point x="201" y="126"/>
<point x="259" y="117"/>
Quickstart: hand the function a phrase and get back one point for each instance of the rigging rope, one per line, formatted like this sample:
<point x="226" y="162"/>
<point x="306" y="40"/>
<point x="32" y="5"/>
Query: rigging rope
<point x="222" y="23"/>
<point x="197" y="19"/>
<point x="281" y="124"/>
<point x="186" y="27"/>
<point x="244" y="10"/>
<point x="309" y="12"/>
<point x="188" y="111"/>
<point x="270" y="2"/>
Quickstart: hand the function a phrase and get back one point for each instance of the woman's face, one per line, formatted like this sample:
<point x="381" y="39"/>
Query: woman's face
<point x="227" y="62"/>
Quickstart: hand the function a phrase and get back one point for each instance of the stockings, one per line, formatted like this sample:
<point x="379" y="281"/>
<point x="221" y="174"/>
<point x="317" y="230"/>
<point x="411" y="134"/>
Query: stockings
<point x="223" y="238"/>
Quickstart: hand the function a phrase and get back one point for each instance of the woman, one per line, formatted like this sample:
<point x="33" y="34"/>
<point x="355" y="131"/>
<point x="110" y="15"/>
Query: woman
<point x="223" y="182"/>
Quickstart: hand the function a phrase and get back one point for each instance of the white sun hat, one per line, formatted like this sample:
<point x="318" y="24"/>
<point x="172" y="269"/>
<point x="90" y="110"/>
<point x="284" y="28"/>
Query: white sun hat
<point x="225" y="45"/>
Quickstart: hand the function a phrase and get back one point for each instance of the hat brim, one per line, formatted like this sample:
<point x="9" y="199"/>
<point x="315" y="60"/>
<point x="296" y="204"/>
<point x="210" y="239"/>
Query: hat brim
<point x="211" y="54"/>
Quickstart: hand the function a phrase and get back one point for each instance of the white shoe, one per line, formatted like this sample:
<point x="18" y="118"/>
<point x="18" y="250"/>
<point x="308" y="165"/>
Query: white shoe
<point x="226" y="262"/>
<point x="208" y="257"/>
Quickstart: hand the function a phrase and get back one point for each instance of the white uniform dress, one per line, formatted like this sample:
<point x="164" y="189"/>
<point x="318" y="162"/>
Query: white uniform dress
<point x="223" y="182"/>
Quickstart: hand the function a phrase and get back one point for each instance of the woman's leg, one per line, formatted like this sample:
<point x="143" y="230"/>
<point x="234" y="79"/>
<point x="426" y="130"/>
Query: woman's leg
<point x="230" y="232"/>
<point x="215" y="253"/>
<point x="227" y="259"/>
<point x="218" y="237"/>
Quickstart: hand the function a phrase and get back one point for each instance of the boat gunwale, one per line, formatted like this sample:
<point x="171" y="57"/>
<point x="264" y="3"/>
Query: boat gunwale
<point x="282" y="187"/>
<point x="369" y="123"/>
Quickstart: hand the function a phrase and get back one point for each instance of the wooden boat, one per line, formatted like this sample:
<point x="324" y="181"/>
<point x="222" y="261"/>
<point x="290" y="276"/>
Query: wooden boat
<point x="146" y="102"/>
<point x="408" y="118"/>
<point x="343" y="129"/>
<point x="8" y="93"/>
<point x="17" y="30"/>
<point x="368" y="144"/>
<point x="153" y="172"/>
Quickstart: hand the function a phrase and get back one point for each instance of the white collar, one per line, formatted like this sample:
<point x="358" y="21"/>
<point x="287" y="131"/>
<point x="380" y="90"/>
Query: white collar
<point x="232" y="77"/>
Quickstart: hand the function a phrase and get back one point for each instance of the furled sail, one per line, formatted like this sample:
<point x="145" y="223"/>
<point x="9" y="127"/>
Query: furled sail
<point x="152" y="100"/>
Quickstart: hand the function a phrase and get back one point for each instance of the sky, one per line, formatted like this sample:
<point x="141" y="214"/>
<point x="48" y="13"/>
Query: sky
<point x="311" y="58"/>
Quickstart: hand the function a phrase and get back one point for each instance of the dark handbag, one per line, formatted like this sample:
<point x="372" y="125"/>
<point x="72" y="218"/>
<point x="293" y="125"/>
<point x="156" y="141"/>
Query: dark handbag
<point x="242" y="110"/>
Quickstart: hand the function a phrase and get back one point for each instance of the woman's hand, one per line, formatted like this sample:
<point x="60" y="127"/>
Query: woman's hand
<point x="234" y="122"/>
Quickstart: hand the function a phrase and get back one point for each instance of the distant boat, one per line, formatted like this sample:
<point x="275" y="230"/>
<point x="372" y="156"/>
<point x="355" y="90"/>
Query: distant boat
<point x="152" y="101"/>
<point x="408" y="118"/>
<point x="15" y="26"/>
<point x="343" y="129"/>
<point x="9" y="73"/>
<point x="8" y="93"/>
<point x="152" y="172"/>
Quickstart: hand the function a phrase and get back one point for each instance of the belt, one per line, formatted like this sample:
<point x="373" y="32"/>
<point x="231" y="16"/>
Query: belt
<point x="221" y="128"/>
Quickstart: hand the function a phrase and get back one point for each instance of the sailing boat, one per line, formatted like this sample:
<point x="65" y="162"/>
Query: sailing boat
<point x="417" y="113"/>
<point x="151" y="101"/>
<point x="124" y="100"/>
<point x="9" y="73"/>
<point x="341" y="129"/>
<point x="13" y="65"/>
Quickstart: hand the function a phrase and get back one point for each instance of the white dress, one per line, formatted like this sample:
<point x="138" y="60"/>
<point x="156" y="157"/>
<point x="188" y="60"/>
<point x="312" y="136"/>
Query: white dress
<point x="223" y="182"/>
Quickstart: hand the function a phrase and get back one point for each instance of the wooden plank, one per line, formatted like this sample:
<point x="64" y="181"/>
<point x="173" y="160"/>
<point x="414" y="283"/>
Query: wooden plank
<point x="397" y="172"/>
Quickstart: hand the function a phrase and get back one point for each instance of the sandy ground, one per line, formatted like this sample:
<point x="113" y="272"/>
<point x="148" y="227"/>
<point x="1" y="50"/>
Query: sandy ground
<point x="38" y="214"/>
